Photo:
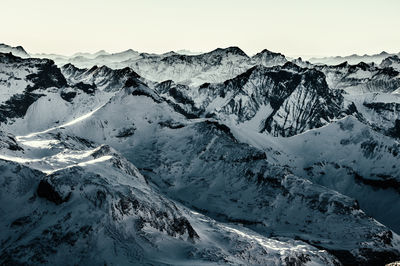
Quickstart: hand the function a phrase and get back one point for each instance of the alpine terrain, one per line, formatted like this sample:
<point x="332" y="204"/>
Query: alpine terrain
<point x="216" y="158"/>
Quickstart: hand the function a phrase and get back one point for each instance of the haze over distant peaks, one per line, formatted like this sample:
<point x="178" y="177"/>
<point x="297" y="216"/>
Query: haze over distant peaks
<point x="351" y="59"/>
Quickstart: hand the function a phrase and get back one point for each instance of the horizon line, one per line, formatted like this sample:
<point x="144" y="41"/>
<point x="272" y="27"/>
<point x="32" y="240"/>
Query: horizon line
<point x="193" y="52"/>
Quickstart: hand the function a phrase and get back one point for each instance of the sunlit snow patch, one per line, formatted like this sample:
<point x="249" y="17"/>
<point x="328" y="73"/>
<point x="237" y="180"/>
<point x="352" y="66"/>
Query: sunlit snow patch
<point x="70" y="123"/>
<point x="42" y="144"/>
<point x="17" y="159"/>
<point x="94" y="161"/>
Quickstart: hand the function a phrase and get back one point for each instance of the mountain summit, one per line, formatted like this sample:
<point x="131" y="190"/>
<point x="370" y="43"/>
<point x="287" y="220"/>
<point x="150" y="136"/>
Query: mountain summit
<point x="17" y="51"/>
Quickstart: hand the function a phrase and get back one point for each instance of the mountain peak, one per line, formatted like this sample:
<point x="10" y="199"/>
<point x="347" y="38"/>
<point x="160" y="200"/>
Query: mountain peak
<point x="268" y="58"/>
<point x="20" y="48"/>
<point x="129" y="51"/>
<point x="343" y="65"/>
<point x="170" y="53"/>
<point x="230" y="50"/>
<point x="393" y="58"/>
<point x="291" y="66"/>
<point x="17" y="51"/>
<point x="268" y="52"/>
<point x="363" y="65"/>
<point x="391" y="61"/>
<point x="101" y="52"/>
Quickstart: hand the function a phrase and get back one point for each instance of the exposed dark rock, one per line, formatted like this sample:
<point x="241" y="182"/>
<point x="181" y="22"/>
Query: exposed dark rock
<point x="296" y="261"/>
<point x="395" y="131"/>
<point x="86" y="88"/>
<point x="68" y="96"/>
<point x="182" y="103"/>
<point x="21" y="221"/>
<point x="131" y="83"/>
<point x="17" y="105"/>
<point x="220" y="127"/>
<point x="126" y="132"/>
<point x="383" y="182"/>
<point x="139" y="91"/>
<point x="47" y="191"/>
<point x="182" y="225"/>
<point x="8" y="141"/>
<point x="171" y="124"/>
<point x="49" y="75"/>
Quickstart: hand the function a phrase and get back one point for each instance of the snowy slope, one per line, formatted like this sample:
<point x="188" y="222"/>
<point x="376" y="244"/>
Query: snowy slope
<point x="89" y="205"/>
<point x="349" y="157"/>
<point x="381" y="111"/>
<point x="36" y="96"/>
<point x="201" y="164"/>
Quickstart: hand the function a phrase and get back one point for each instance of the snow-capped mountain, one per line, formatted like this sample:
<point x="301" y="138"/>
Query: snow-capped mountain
<point x="23" y="81"/>
<point x="209" y="159"/>
<point x="352" y="59"/>
<point x="17" y="51"/>
<point x="268" y="58"/>
<point x="103" y="78"/>
<point x="391" y="61"/>
<point x="189" y="69"/>
<point x="88" y="204"/>
<point x="361" y="78"/>
<point x="201" y="164"/>
<point x="90" y="55"/>
<point x="380" y="111"/>
<point x="283" y="101"/>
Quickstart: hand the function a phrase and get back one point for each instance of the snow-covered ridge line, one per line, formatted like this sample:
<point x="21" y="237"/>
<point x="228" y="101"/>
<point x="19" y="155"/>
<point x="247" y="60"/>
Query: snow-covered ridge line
<point x="70" y="123"/>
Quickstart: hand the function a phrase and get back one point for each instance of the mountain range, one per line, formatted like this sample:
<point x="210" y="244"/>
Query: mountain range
<point x="352" y="59"/>
<point x="207" y="159"/>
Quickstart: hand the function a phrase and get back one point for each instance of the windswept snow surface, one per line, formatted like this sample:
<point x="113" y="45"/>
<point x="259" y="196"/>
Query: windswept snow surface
<point x="85" y="204"/>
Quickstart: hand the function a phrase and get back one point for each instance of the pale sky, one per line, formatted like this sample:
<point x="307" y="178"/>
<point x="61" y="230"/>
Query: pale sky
<point x="292" y="27"/>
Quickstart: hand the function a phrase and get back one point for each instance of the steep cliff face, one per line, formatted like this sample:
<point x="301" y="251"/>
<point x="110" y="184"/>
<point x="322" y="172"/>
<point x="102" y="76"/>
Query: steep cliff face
<point x="23" y="81"/>
<point x="283" y="101"/>
<point x="104" y="78"/>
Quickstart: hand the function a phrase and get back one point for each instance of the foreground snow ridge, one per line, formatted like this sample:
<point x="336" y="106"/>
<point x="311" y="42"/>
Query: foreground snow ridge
<point x="208" y="159"/>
